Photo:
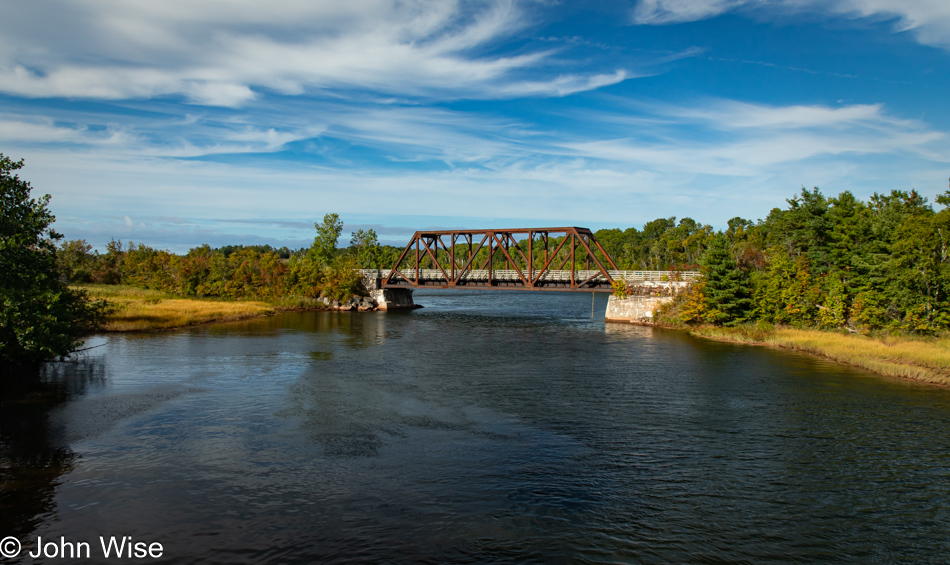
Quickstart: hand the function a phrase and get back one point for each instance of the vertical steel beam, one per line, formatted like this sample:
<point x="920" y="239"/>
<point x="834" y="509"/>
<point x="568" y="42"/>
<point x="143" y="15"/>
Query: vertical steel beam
<point x="530" y="259"/>
<point x="433" y="248"/>
<point x="433" y="253"/>
<point x="573" y="255"/>
<point x="510" y="259"/>
<point x="491" y="237"/>
<point x="545" y="247"/>
<point x="552" y="257"/>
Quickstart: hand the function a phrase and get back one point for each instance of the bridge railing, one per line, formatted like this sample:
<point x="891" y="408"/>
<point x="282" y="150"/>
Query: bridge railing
<point x="511" y="275"/>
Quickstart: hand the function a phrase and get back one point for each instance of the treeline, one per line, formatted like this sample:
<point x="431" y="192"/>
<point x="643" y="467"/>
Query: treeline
<point x="822" y="262"/>
<point x="826" y="262"/>
<point x="234" y="271"/>
<point x="663" y="244"/>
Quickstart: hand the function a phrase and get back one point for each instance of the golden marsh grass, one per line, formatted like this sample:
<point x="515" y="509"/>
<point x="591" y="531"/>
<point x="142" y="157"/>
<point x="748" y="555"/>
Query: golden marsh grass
<point x="135" y="309"/>
<point x="924" y="359"/>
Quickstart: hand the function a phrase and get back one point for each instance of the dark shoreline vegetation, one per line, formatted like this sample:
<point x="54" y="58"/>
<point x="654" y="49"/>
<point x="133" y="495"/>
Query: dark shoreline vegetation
<point x="879" y="268"/>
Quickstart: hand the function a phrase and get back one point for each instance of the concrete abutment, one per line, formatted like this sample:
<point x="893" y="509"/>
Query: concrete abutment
<point x="639" y="307"/>
<point x="394" y="298"/>
<point x="387" y="298"/>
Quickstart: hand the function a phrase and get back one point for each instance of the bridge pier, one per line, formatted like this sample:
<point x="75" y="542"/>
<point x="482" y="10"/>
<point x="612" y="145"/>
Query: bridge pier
<point x="646" y="290"/>
<point x="394" y="298"/>
<point x="387" y="298"/>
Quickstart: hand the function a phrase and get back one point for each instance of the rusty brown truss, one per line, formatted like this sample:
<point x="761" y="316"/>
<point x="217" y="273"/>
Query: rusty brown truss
<point x="533" y="259"/>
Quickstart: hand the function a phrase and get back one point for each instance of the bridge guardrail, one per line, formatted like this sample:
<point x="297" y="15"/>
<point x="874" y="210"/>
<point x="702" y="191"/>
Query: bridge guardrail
<point x="550" y="276"/>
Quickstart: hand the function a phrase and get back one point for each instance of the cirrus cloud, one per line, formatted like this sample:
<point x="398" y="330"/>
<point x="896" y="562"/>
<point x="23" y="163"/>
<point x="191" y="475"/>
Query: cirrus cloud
<point x="225" y="53"/>
<point x="929" y="20"/>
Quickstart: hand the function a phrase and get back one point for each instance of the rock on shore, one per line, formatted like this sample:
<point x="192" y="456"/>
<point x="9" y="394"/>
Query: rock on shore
<point x="357" y="303"/>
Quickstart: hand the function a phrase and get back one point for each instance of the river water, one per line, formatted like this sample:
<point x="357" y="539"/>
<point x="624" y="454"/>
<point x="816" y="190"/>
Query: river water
<point x="499" y="427"/>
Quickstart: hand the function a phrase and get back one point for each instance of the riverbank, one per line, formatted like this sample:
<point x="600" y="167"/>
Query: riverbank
<point x="925" y="359"/>
<point x="134" y="309"/>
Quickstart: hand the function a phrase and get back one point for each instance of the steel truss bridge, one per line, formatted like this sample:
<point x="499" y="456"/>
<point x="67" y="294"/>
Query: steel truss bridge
<point x="514" y="259"/>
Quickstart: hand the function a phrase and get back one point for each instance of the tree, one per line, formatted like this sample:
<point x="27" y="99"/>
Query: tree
<point x="40" y="317"/>
<point x="365" y="245"/>
<point x="804" y="229"/>
<point x="919" y="271"/>
<point x="324" y="244"/>
<point x="75" y="262"/>
<point x="727" y="289"/>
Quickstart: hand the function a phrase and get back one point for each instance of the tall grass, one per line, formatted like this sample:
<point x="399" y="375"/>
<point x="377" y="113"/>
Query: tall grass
<point x="924" y="359"/>
<point x="135" y="309"/>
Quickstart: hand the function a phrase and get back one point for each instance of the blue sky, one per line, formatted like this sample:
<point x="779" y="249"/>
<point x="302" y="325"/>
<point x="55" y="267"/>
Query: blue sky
<point x="183" y="122"/>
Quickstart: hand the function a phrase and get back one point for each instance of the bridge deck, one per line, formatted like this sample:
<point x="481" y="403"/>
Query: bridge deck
<point x="552" y="280"/>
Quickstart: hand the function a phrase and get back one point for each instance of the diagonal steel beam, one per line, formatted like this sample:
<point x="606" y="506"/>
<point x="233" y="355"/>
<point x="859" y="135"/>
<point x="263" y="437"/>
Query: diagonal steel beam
<point x="468" y="263"/>
<point x="517" y="270"/>
<point x="401" y="257"/>
<point x="435" y="259"/>
<point x="596" y="260"/>
<point x="551" y="258"/>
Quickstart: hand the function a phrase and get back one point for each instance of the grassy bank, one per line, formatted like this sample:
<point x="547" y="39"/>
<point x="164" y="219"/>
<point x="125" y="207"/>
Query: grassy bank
<point x="924" y="359"/>
<point x="134" y="309"/>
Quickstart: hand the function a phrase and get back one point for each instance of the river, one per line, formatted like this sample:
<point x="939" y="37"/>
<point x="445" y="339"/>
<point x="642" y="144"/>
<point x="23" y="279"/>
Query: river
<point x="500" y="427"/>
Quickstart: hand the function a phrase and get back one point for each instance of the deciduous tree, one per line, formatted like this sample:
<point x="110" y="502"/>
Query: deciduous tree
<point x="40" y="317"/>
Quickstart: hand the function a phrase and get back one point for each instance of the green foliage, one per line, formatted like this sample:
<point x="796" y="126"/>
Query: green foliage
<point x="727" y="287"/>
<point x="40" y="317"/>
<point x="869" y="309"/>
<point x="687" y="307"/>
<point x="828" y="262"/>
<point x="75" y="262"/>
<point x="323" y="249"/>
<point x="620" y="288"/>
<point x="786" y="292"/>
<point x="769" y="297"/>
<point x="835" y="311"/>
<point x="661" y="245"/>
<point x="257" y="272"/>
<point x="342" y="280"/>
<point x="365" y="247"/>
<point x="109" y="267"/>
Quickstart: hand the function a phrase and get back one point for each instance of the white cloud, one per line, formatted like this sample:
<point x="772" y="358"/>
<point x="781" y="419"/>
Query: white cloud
<point x="730" y="115"/>
<point x="13" y="130"/>
<point x="929" y="20"/>
<point x="564" y="84"/>
<point x="43" y="129"/>
<point x="741" y="139"/>
<point x="224" y="53"/>
<point x="659" y="12"/>
<point x="710" y="159"/>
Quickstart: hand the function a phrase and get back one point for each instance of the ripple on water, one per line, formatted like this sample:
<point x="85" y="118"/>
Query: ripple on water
<point x="486" y="427"/>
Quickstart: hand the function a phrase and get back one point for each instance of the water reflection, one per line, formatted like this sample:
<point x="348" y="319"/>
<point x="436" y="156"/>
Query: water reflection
<point x="34" y="453"/>
<point x="487" y="427"/>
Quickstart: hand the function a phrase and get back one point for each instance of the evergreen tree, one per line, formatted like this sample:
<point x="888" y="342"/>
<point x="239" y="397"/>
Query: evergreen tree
<point x="727" y="289"/>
